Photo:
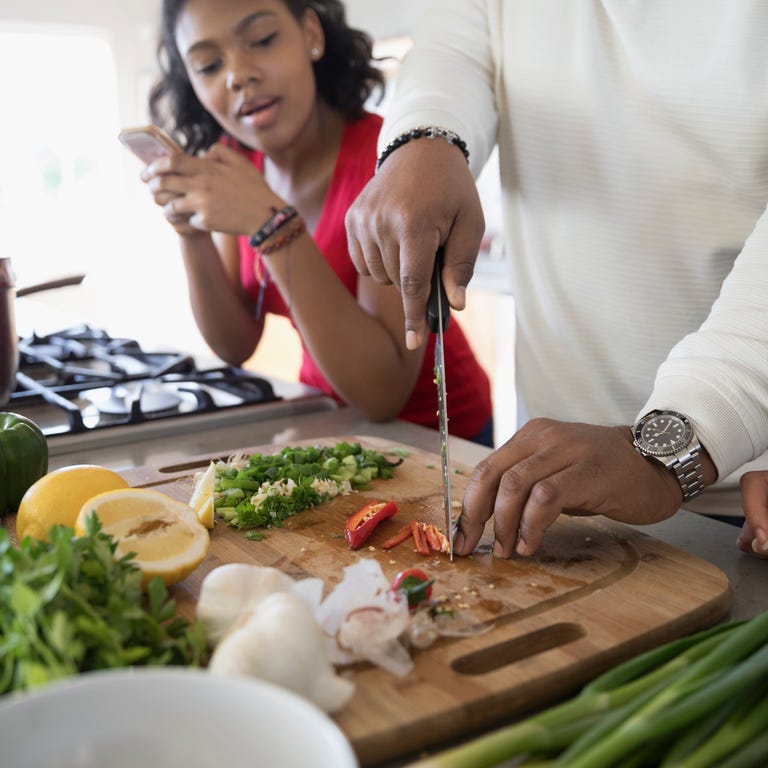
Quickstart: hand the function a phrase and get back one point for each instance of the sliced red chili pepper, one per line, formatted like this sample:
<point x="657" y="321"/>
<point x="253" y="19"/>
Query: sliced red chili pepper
<point x="360" y="525"/>
<point x="415" y="585"/>
<point x="402" y="535"/>
<point x="420" y="538"/>
<point x="436" y="539"/>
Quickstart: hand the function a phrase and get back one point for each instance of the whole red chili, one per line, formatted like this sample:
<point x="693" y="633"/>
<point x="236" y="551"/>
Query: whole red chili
<point x="415" y="585"/>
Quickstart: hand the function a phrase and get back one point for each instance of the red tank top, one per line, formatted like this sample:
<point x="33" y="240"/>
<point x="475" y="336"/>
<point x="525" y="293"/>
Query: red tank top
<point x="467" y="385"/>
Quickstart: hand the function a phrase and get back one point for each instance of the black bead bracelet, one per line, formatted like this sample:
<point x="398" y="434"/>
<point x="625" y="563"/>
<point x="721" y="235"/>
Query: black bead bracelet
<point x="426" y="132"/>
<point x="272" y="224"/>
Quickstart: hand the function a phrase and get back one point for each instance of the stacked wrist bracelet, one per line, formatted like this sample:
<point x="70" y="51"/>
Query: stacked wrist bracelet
<point x="426" y="132"/>
<point x="297" y="229"/>
<point x="279" y="218"/>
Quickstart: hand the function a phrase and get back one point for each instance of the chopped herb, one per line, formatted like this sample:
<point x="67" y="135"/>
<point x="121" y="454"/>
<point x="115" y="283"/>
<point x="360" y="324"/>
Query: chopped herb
<point x="263" y="490"/>
<point x="402" y="452"/>
<point x="255" y="536"/>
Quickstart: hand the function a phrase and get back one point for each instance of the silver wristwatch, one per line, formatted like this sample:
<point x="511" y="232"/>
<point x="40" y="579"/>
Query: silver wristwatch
<point x="668" y="437"/>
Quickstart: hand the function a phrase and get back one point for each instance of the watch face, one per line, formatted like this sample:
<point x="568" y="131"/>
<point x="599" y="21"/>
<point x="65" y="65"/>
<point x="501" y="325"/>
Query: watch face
<point x="663" y="434"/>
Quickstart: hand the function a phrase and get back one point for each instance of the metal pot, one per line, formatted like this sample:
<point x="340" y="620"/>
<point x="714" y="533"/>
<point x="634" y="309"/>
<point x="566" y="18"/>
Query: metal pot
<point x="9" y="340"/>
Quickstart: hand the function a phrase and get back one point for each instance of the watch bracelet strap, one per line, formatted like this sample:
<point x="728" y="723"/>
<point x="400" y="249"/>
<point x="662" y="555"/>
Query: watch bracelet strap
<point x="688" y="470"/>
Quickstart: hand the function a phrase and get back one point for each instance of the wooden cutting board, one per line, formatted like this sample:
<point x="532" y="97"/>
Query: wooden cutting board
<point x="596" y="593"/>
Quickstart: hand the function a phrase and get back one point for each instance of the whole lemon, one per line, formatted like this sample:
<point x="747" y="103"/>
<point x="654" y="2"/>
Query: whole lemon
<point x="57" y="498"/>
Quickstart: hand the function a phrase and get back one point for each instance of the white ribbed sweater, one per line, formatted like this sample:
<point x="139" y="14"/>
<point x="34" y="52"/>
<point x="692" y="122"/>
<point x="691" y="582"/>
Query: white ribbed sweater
<point x="633" y="153"/>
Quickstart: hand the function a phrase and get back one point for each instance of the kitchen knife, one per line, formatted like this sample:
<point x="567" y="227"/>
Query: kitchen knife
<point x="438" y="315"/>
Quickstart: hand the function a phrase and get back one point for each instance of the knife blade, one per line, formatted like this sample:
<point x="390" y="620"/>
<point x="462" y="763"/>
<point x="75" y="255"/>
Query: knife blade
<point x="438" y="315"/>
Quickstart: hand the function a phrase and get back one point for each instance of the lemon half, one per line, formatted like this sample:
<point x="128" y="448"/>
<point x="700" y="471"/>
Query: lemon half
<point x="56" y="498"/>
<point x="165" y="534"/>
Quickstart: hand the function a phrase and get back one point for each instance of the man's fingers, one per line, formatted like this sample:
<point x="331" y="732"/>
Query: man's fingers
<point x="417" y="261"/>
<point x="526" y="505"/>
<point x="480" y="500"/>
<point x="460" y="253"/>
<point x="356" y="252"/>
<point x="754" y="501"/>
<point x="546" y="502"/>
<point x="383" y="262"/>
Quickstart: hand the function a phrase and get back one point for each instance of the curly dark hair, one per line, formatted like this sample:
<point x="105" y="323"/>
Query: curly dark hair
<point x="346" y="76"/>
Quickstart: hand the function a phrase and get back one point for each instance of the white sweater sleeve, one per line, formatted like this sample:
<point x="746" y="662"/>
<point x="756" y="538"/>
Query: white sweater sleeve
<point x="718" y="375"/>
<point x="460" y="76"/>
<point x="446" y="79"/>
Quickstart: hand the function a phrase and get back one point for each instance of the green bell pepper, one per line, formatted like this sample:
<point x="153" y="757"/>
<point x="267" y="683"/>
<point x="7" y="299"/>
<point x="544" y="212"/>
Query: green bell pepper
<point x="23" y="458"/>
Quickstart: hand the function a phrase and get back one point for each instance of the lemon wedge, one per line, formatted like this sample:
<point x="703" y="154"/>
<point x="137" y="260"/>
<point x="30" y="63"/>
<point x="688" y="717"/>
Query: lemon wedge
<point x="165" y="534"/>
<point x="203" y="495"/>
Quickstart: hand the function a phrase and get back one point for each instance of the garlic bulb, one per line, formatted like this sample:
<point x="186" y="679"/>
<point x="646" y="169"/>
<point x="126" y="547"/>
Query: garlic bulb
<point x="233" y="589"/>
<point x="279" y="641"/>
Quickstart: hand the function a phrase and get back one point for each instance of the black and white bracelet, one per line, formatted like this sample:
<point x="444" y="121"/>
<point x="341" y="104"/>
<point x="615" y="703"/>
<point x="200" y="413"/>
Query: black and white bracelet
<point x="272" y="224"/>
<point x="426" y="132"/>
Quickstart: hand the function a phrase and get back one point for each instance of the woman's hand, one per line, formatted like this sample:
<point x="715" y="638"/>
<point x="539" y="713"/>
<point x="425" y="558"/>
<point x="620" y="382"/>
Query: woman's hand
<point x="219" y="191"/>
<point x="422" y="196"/>
<point x="549" y="468"/>
<point x="754" y="501"/>
<point x="157" y="178"/>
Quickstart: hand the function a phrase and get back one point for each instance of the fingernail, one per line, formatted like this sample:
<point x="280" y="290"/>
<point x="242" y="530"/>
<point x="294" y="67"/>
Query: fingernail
<point x="460" y="297"/>
<point x="498" y="550"/>
<point x="411" y="340"/>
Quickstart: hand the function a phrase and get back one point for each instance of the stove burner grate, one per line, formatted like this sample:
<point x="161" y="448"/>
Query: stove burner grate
<point x="81" y="379"/>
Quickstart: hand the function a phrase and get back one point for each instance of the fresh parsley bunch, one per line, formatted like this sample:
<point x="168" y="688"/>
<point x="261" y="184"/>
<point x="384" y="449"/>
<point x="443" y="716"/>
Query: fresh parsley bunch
<point x="67" y="606"/>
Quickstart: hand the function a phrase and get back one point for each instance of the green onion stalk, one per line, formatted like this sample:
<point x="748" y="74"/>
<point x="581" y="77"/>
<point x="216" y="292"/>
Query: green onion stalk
<point x="696" y="696"/>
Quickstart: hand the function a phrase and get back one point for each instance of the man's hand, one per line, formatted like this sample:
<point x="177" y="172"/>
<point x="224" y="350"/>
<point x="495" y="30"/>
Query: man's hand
<point x="551" y="467"/>
<point x="422" y="197"/>
<point x="754" y="501"/>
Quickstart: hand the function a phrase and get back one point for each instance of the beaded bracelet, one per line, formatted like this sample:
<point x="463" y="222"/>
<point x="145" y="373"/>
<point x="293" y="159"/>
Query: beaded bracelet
<point x="272" y="224"/>
<point x="287" y="238"/>
<point x="427" y="132"/>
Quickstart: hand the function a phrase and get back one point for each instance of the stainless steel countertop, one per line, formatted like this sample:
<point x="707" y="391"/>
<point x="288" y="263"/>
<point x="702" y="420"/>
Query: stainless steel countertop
<point x="709" y="539"/>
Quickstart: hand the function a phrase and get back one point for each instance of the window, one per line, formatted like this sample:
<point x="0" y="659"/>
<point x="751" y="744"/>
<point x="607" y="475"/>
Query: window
<point x="61" y="174"/>
<point x="70" y="196"/>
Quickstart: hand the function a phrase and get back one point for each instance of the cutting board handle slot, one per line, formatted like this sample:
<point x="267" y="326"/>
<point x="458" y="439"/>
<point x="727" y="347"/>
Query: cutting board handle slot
<point x="518" y="648"/>
<point x="188" y="466"/>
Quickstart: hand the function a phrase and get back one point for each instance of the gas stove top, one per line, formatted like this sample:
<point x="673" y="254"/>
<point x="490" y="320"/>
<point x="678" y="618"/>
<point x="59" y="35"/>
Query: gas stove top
<point x="81" y="385"/>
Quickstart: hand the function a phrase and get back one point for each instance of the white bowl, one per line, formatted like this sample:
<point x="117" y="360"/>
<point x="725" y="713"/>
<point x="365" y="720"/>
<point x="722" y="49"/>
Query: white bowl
<point x="166" y="718"/>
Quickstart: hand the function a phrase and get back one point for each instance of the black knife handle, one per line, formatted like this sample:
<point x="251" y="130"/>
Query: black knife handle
<point x="437" y="294"/>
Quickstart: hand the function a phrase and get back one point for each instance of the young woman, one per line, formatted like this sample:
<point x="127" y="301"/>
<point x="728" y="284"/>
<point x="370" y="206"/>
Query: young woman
<point x="267" y="99"/>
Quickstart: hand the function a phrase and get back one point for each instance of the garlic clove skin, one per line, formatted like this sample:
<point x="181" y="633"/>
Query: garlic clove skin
<point x="279" y="641"/>
<point x="362" y="586"/>
<point x="311" y="591"/>
<point x="373" y="634"/>
<point x="233" y="589"/>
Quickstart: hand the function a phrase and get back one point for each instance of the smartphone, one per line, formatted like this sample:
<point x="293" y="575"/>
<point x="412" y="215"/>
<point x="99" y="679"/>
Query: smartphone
<point x="148" y="142"/>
